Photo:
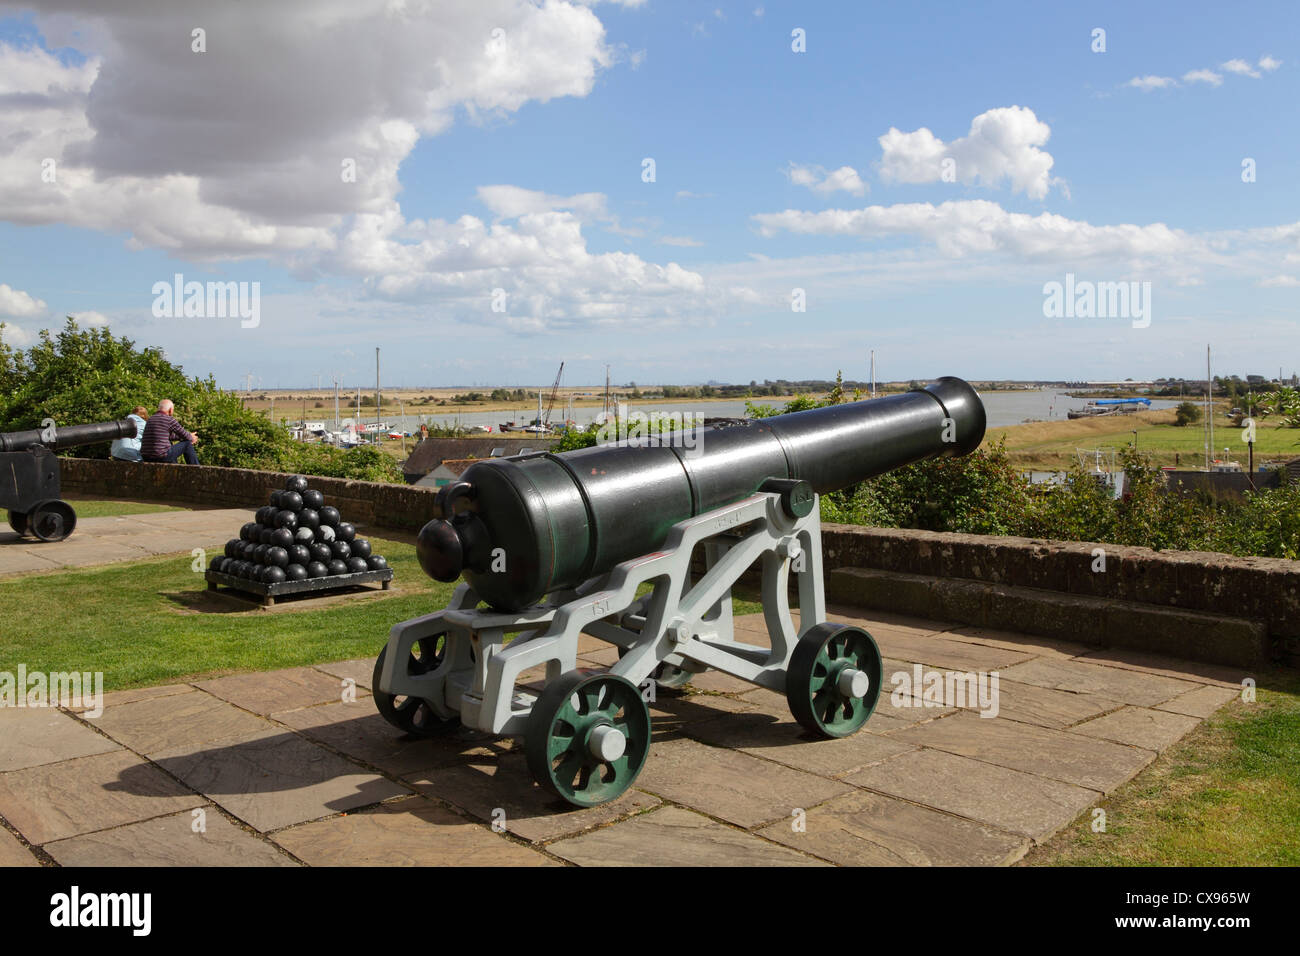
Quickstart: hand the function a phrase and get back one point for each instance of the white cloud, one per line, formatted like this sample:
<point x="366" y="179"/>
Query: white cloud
<point x="817" y="179"/>
<point x="685" y="241"/>
<point x="687" y="194"/>
<point x="1148" y="83"/>
<point x="91" y="319"/>
<point x="510" y="202"/>
<point x="16" y="336"/>
<point x="1268" y="64"/>
<point x="1002" y="144"/>
<point x="1280" y="282"/>
<point x="15" y="303"/>
<point x="1241" y="67"/>
<point x="1203" y="76"/>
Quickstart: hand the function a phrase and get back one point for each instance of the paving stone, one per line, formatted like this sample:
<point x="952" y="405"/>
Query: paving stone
<point x="170" y="841"/>
<point x="672" y="836"/>
<point x="1062" y="755"/>
<point x="64" y="799"/>
<point x="178" y="720"/>
<point x="360" y="671"/>
<point x="360" y="732"/>
<point x="13" y="853"/>
<point x="873" y="618"/>
<point x="412" y="832"/>
<point x="732" y="786"/>
<point x="870" y="829"/>
<point x="272" y="691"/>
<point x="771" y="732"/>
<point x="942" y="652"/>
<point x="888" y="717"/>
<point x="85" y="552"/>
<point x="274" y="780"/>
<point x="1032" y="704"/>
<point x="1218" y="674"/>
<point x="1034" y="644"/>
<point x="1079" y="676"/>
<point x="15" y="559"/>
<point x="31" y="736"/>
<point x="1017" y="802"/>
<point x="719" y="683"/>
<point x="1201" y="702"/>
<point x="1140" y="727"/>
<point x="131" y="695"/>
<point x="501" y="788"/>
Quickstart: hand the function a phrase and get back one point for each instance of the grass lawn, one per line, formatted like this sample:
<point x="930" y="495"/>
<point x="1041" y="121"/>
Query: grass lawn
<point x="1052" y="445"/>
<point x="1228" y="794"/>
<point x="138" y="623"/>
<point x="104" y="508"/>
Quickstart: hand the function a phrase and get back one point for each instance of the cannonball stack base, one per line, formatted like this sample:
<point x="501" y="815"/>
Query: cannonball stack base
<point x="269" y="593"/>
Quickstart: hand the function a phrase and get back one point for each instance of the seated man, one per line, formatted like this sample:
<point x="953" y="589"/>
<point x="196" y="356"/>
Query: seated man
<point x="159" y="434"/>
<point x="128" y="449"/>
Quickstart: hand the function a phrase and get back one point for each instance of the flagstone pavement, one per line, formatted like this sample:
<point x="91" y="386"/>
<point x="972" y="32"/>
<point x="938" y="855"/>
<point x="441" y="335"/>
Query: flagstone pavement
<point x="285" y="768"/>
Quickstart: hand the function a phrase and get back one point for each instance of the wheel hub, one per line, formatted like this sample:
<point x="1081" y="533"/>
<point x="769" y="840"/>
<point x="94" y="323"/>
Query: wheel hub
<point x="606" y="743"/>
<point x="853" y="683"/>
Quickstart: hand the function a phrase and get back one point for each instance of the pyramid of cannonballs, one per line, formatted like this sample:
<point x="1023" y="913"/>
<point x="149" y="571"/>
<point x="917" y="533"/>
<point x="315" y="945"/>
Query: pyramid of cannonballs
<point x="295" y="537"/>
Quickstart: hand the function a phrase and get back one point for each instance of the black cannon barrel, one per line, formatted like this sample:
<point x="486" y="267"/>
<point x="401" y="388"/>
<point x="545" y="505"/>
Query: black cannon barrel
<point x="555" y="520"/>
<point x="68" y="436"/>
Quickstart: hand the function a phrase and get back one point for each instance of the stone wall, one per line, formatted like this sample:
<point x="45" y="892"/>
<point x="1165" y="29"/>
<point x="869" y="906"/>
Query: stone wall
<point x="397" y="507"/>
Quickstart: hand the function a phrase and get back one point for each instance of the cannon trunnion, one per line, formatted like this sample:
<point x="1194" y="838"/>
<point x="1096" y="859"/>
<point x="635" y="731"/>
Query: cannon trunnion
<point x="29" y="475"/>
<point x="610" y="542"/>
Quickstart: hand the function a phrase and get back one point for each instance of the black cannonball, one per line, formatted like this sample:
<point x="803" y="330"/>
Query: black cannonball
<point x="274" y="575"/>
<point x="377" y="562"/>
<point x="345" y="532"/>
<point x="295" y="572"/>
<point x="281" y="538"/>
<point x="266" y="535"/>
<point x="341" y="549"/>
<point x="275" y="500"/>
<point x="329" y="515"/>
<point x="295" y="483"/>
<point x="218" y="563"/>
<point x="291" y="501"/>
<point x="317" y="569"/>
<point x="326" y="533"/>
<point x="249" y="548"/>
<point x="259" y="553"/>
<point x="236" y="568"/>
<point x="250" y="530"/>
<point x="360" y="548"/>
<point x="265" y="514"/>
<point x="309" y="518"/>
<point x="278" y="557"/>
<point x="313" y="499"/>
<point x="304" y="535"/>
<point x="337" y="567"/>
<point x="298" y="554"/>
<point x="320" y="551"/>
<point x="233" y="548"/>
<point x="357" y="565"/>
<point x="286" y="519"/>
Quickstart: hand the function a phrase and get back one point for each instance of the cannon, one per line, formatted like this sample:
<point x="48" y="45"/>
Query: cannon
<point x="639" y="543"/>
<point x="29" y="475"/>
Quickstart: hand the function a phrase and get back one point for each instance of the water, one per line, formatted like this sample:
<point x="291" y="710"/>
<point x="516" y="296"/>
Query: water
<point x="1003" y="408"/>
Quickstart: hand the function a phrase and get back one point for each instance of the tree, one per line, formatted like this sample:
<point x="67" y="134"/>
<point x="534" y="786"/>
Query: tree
<point x="1187" y="413"/>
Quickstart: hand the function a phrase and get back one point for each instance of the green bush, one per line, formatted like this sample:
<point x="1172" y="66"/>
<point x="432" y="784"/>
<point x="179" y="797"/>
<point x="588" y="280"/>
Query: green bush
<point x="1187" y="413"/>
<point x="80" y="375"/>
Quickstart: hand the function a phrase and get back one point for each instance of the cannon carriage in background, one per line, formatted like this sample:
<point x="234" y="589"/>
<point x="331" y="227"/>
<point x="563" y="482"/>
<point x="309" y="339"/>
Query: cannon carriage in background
<point x="29" y="475"/>
<point x="608" y="541"/>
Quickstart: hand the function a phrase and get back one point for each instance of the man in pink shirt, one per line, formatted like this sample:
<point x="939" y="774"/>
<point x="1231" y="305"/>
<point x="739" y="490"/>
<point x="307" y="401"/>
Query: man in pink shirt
<point x="161" y="431"/>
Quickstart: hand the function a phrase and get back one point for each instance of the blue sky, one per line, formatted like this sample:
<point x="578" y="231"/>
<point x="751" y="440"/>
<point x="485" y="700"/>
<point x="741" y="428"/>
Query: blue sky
<point x="1115" y="166"/>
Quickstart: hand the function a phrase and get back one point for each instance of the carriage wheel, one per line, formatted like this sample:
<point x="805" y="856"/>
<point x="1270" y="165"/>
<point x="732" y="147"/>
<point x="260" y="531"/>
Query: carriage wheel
<point x="52" y="520"/>
<point x="18" y="521"/>
<point x="833" y="681"/>
<point x="588" y="737"/>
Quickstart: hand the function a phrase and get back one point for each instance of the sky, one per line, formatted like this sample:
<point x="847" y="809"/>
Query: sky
<point x="682" y="191"/>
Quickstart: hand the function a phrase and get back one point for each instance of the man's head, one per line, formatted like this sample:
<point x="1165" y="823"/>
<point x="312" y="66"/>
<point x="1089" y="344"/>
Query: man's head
<point x="166" y="406"/>
<point x="141" y="411"/>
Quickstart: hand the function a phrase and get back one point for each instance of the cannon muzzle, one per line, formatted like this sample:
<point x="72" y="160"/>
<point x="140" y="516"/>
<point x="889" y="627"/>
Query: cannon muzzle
<point x="68" y="436"/>
<point x="521" y="528"/>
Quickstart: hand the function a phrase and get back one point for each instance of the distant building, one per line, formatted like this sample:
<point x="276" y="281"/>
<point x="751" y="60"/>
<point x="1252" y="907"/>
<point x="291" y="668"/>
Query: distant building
<point x="432" y="452"/>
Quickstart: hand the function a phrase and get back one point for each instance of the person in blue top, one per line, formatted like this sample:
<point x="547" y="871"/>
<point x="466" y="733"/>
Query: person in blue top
<point x="128" y="449"/>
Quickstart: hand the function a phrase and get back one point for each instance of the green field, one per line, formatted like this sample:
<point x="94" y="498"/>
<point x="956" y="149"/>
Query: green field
<point x="106" y="508"/>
